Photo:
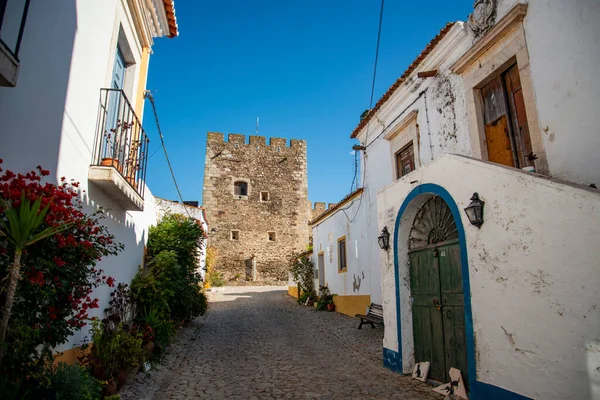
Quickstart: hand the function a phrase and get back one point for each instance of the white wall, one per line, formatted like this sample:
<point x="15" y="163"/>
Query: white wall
<point x="49" y="118"/>
<point x="563" y="39"/>
<point x="357" y="279"/>
<point x="533" y="270"/>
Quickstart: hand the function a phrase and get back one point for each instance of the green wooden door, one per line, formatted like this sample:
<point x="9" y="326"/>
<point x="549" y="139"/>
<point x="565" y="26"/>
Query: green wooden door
<point x="438" y="309"/>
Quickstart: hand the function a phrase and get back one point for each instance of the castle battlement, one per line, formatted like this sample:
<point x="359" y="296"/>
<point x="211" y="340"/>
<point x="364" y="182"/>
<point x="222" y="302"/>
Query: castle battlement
<point x="253" y="140"/>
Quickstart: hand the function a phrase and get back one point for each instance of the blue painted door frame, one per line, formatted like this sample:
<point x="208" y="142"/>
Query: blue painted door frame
<point x="479" y="390"/>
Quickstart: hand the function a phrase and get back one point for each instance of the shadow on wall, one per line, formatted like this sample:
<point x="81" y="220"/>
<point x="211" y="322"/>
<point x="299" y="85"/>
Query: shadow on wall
<point x="122" y="267"/>
<point x="31" y="114"/>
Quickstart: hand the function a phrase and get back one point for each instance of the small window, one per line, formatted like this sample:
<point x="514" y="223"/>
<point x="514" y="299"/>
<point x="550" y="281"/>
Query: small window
<point x="342" y="266"/>
<point x="405" y="161"/>
<point x="264" y="196"/>
<point x="235" y="235"/>
<point x="272" y="236"/>
<point x="240" y="189"/>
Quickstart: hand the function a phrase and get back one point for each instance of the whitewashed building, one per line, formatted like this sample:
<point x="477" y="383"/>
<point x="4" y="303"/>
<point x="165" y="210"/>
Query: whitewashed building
<point x="512" y="300"/>
<point x="75" y="75"/>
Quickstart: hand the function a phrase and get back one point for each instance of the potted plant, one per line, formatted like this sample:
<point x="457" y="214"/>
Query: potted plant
<point x="325" y="299"/>
<point x="115" y="141"/>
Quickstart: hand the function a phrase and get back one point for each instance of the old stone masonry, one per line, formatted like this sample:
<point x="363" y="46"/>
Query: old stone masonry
<point x="258" y="343"/>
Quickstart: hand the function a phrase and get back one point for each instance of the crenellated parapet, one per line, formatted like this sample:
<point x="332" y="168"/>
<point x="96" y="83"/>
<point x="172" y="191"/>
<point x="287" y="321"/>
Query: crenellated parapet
<point x="239" y="140"/>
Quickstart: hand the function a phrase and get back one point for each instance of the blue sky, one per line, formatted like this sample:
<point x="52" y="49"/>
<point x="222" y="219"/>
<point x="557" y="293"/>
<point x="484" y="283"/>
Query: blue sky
<point x="304" y="67"/>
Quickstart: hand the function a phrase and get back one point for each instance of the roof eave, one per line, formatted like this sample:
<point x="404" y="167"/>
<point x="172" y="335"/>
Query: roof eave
<point x="411" y="68"/>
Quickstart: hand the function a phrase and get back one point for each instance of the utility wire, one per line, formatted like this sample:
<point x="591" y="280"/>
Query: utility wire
<point x="376" y="55"/>
<point x="364" y="169"/>
<point x="148" y="95"/>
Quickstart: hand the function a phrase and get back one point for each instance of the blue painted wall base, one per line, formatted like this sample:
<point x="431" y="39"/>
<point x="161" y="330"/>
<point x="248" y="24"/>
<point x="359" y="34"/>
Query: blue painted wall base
<point x="392" y="360"/>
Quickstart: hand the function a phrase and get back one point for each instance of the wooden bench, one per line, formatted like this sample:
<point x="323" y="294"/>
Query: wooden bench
<point x="374" y="316"/>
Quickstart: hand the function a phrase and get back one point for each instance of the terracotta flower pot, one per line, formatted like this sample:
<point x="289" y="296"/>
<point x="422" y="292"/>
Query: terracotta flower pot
<point x="110" y="388"/>
<point x="111" y="162"/>
<point x="132" y="182"/>
<point x="122" y="378"/>
<point x="149" y="347"/>
<point x="331" y="307"/>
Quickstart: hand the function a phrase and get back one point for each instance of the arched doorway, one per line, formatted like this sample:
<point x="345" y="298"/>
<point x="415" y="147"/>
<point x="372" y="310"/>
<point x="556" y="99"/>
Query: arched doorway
<point x="436" y="283"/>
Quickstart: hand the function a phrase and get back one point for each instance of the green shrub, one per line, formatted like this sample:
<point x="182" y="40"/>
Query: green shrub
<point x="302" y="270"/>
<point x="73" y="382"/>
<point x="12" y="389"/>
<point x="215" y="278"/>
<point x="114" y="350"/>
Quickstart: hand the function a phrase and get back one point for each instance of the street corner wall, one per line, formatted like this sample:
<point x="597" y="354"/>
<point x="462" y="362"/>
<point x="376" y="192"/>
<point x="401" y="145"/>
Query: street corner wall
<point x="352" y="286"/>
<point x="533" y="275"/>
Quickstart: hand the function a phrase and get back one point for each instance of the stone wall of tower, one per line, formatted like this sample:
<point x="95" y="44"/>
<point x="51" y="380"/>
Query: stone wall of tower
<point x="276" y="168"/>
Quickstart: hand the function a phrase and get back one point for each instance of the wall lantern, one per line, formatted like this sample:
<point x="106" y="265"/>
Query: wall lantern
<point x="474" y="210"/>
<point x="384" y="239"/>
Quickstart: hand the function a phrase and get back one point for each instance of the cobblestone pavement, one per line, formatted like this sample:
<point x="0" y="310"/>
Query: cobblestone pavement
<point x="258" y="343"/>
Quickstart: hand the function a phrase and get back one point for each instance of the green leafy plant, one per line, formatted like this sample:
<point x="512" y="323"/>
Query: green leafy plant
<point x="22" y="229"/>
<point x="215" y="278"/>
<point x="74" y="382"/>
<point x="302" y="271"/>
<point x="113" y="350"/>
<point x="325" y="298"/>
<point x="13" y="390"/>
<point x="173" y="246"/>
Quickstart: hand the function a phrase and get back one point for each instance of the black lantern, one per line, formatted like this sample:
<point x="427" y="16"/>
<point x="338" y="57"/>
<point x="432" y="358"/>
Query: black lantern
<point x="475" y="210"/>
<point x="384" y="239"/>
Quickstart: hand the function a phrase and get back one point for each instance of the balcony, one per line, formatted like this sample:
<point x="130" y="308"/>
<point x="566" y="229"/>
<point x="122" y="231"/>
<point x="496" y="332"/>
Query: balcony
<point x="120" y="151"/>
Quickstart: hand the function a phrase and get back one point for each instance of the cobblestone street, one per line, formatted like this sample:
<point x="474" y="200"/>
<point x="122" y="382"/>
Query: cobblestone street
<point x="257" y="343"/>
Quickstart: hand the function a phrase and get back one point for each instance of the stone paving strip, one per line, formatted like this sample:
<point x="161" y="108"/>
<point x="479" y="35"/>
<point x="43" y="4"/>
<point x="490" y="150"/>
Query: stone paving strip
<point x="258" y="343"/>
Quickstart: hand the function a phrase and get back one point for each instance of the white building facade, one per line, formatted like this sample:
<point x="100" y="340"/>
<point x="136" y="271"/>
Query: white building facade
<point x="80" y="76"/>
<point x="511" y="303"/>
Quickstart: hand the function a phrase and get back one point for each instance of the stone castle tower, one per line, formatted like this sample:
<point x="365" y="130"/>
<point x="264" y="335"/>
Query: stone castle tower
<point x="256" y="198"/>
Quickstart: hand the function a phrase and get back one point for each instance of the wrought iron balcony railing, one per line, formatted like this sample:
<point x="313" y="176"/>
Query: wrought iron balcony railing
<point x="121" y="142"/>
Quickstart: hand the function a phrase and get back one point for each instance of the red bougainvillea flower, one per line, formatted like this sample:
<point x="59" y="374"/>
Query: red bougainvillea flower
<point x="59" y="273"/>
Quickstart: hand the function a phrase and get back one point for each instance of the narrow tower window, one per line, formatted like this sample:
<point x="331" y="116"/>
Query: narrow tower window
<point x="264" y="196"/>
<point x="240" y="188"/>
<point x="235" y="235"/>
<point x="272" y="236"/>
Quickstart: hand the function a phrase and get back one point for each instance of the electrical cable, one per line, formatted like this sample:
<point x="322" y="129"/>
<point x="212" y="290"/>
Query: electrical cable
<point x="364" y="170"/>
<point x="154" y="152"/>
<point x="149" y="96"/>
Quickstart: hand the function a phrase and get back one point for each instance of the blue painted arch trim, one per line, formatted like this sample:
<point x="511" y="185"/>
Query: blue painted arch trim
<point x="479" y="390"/>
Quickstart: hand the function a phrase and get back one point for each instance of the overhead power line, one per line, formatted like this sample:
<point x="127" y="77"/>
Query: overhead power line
<point x="364" y="170"/>
<point x="376" y="55"/>
<point x="148" y="95"/>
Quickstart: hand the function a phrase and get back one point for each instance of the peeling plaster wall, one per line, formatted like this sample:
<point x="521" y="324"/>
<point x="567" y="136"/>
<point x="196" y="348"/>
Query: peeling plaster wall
<point x="442" y="126"/>
<point x="446" y="120"/>
<point x="533" y="268"/>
